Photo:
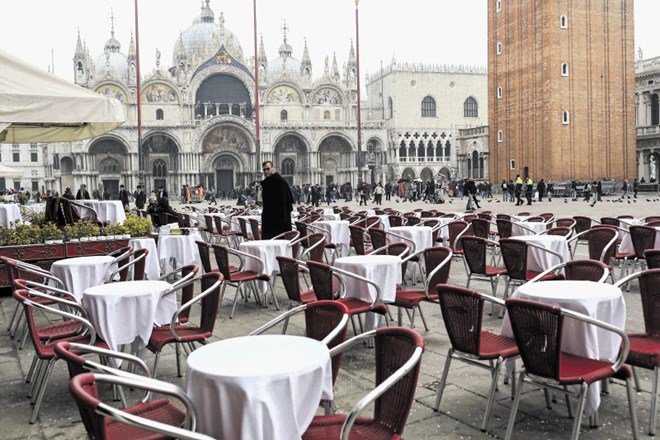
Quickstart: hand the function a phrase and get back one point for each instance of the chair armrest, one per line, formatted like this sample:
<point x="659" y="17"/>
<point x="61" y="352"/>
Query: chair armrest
<point x="127" y="265"/>
<point x="89" y="328"/>
<point x="67" y="304"/>
<point x="627" y="279"/>
<point x="547" y="271"/>
<point x="36" y="270"/>
<point x="131" y="380"/>
<point x="273" y="322"/>
<point x="109" y="353"/>
<point x="439" y="267"/>
<point x="379" y="390"/>
<point x="175" y="316"/>
<point x="65" y="294"/>
<point x="242" y="254"/>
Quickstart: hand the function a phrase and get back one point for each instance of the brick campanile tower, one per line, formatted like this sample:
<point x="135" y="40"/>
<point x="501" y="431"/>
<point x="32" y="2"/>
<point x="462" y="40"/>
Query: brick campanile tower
<point x="561" y="84"/>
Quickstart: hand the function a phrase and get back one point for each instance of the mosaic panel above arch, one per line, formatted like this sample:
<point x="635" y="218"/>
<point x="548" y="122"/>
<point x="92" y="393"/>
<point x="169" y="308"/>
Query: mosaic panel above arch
<point x="160" y="144"/>
<point x="326" y="95"/>
<point x="290" y="144"/>
<point x="224" y="137"/>
<point x="108" y="146"/>
<point x="284" y="95"/>
<point x="159" y="92"/>
<point x="112" y="91"/>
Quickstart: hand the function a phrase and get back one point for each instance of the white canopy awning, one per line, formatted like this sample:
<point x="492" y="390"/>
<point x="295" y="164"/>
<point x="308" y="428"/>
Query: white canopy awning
<point x="36" y="106"/>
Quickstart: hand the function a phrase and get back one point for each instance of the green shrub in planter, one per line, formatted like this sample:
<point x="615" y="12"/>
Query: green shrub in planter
<point x="137" y="226"/>
<point x="116" y="229"/>
<point x="50" y="231"/>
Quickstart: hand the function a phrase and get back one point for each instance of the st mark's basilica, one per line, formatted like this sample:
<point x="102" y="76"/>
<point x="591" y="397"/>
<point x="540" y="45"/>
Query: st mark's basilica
<point x="198" y="116"/>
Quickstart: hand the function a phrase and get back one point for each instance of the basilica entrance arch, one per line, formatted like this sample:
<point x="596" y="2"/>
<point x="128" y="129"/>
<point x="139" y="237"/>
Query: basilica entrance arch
<point x="336" y="150"/>
<point x="109" y="157"/>
<point x="224" y="167"/>
<point x="162" y="160"/>
<point x="291" y="154"/>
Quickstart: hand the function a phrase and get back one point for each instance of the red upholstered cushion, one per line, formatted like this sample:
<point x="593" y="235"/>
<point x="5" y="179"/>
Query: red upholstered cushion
<point x="644" y="351"/>
<point x="410" y="298"/>
<point x="575" y="369"/>
<point x="161" y="410"/>
<point x="356" y="305"/>
<point x="494" y="270"/>
<point x="494" y="345"/>
<point x="329" y="427"/>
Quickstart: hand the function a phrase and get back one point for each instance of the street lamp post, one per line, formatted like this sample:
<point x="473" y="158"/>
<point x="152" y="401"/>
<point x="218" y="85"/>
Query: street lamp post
<point x="357" y="60"/>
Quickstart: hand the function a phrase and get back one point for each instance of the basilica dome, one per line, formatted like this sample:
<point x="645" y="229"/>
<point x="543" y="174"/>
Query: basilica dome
<point x="204" y="37"/>
<point x="285" y="64"/>
<point x="112" y="59"/>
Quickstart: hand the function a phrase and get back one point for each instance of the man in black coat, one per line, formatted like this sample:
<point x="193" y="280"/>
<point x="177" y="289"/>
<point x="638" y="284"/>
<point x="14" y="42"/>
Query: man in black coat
<point x="140" y="197"/>
<point x="123" y="197"/>
<point x="277" y="203"/>
<point x="82" y="194"/>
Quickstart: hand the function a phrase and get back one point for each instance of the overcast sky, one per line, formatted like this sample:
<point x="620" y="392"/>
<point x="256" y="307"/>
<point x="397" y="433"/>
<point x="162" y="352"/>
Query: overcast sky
<point x="427" y="31"/>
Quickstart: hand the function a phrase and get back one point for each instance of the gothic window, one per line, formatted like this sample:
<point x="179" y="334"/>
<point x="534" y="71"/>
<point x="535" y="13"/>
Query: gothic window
<point x="224" y="109"/>
<point x="159" y="168"/>
<point x="288" y="167"/>
<point x="236" y="110"/>
<point x="412" y="149"/>
<point x="421" y="151"/>
<point x="403" y="151"/>
<point x="326" y="115"/>
<point x="390" y="108"/>
<point x="429" y="149"/>
<point x="159" y="114"/>
<point x="284" y="115"/>
<point x="474" y="172"/>
<point x="428" y="107"/>
<point x="447" y="148"/>
<point x="438" y="149"/>
<point x="109" y="165"/>
<point x="470" y="108"/>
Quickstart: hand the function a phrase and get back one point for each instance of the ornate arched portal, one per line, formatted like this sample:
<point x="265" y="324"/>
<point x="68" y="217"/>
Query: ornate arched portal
<point x="291" y="154"/>
<point x="336" y="156"/>
<point x="109" y="157"/>
<point x="161" y="153"/>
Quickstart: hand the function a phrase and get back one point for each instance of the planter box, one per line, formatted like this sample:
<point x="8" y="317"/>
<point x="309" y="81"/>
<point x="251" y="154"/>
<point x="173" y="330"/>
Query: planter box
<point x="45" y="254"/>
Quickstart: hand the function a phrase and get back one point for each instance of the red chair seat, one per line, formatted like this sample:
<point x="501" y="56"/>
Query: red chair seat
<point x="59" y="330"/>
<point x="329" y="427"/>
<point x="161" y="410"/>
<point x="576" y="369"/>
<point x="493" y="345"/>
<point x="248" y="275"/>
<point x="308" y="296"/>
<point x="356" y="305"/>
<point x="410" y="298"/>
<point x="644" y="351"/>
<point x="161" y="336"/>
<point x="491" y="271"/>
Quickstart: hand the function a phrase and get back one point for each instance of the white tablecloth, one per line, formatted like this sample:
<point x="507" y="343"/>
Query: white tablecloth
<point x="444" y="230"/>
<point x="527" y="228"/>
<point x="597" y="300"/>
<point x="108" y="211"/>
<point x="181" y="248"/>
<point x="125" y="312"/>
<point x="339" y="233"/>
<point x="79" y="273"/>
<point x="627" y="244"/>
<point x="422" y="236"/>
<point x="10" y="214"/>
<point x="152" y="266"/>
<point x="384" y="221"/>
<point x="267" y="251"/>
<point x="236" y="227"/>
<point x="259" y="387"/>
<point x="385" y="270"/>
<point x="537" y="260"/>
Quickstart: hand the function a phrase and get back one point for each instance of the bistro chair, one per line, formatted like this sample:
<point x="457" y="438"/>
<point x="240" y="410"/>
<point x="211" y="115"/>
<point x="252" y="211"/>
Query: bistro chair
<point x="462" y="313"/>
<point x="645" y="346"/>
<point x="580" y="270"/>
<point x="475" y="251"/>
<point x="437" y="261"/>
<point x="188" y="333"/>
<point x="398" y="352"/>
<point x="159" y="418"/>
<point x="537" y="329"/>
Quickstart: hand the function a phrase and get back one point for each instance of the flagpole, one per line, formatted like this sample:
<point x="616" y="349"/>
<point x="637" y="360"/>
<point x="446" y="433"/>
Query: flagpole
<point x="137" y="97"/>
<point x="359" y="121"/>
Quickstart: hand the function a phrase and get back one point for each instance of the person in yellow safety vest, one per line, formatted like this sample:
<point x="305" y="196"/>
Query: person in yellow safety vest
<point x="518" y="190"/>
<point x="529" y="189"/>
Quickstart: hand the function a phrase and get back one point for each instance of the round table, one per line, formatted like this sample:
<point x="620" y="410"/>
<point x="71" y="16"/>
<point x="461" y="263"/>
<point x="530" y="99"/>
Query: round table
<point x="125" y="312"/>
<point x="79" y="273"/>
<point x="181" y="249"/>
<point x="600" y="301"/>
<point x="527" y="228"/>
<point x="338" y="231"/>
<point x="10" y="214"/>
<point x="107" y="211"/>
<point x="151" y="267"/>
<point x="266" y="251"/>
<point x="421" y="236"/>
<point x="259" y="387"/>
<point x="537" y="260"/>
